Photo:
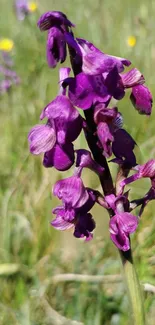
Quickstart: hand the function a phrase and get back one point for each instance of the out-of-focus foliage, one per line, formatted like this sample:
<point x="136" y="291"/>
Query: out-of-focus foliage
<point x="31" y="252"/>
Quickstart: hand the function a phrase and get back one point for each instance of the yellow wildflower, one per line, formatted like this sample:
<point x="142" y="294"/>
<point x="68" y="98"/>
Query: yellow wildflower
<point x="131" y="41"/>
<point x="32" y="6"/>
<point x="6" y="44"/>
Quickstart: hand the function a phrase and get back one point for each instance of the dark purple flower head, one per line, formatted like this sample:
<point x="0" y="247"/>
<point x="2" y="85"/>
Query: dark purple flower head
<point x="96" y="62"/>
<point x="53" y="18"/>
<point x="142" y="99"/>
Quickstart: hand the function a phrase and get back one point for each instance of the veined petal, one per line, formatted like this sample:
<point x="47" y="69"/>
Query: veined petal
<point x="132" y="78"/>
<point x="72" y="191"/>
<point x="96" y="62"/>
<point x="121" y="240"/>
<point x="41" y="138"/>
<point x="60" y="224"/>
<point x="60" y="108"/>
<point x="127" y="222"/>
<point x="148" y="169"/>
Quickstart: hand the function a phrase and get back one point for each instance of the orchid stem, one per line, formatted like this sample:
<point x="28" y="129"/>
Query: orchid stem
<point x="134" y="289"/>
<point x="106" y="181"/>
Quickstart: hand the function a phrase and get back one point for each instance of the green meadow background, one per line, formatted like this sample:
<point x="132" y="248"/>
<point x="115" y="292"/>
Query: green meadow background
<point x="32" y="253"/>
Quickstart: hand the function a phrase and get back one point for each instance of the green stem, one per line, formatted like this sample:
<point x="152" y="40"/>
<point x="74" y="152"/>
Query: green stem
<point x="134" y="288"/>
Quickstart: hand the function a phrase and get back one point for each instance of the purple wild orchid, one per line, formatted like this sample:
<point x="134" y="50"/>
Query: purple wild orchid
<point x="97" y="79"/>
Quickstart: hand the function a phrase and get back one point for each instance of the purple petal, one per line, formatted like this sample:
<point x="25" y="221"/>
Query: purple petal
<point x="114" y="84"/>
<point x="63" y="74"/>
<point x="121" y="240"/>
<point x="72" y="191"/>
<point x="106" y="137"/>
<point x="84" y="160"/>
<point x="84" y="226"/>
<point x="103" y="114"/>
<point x="62" y="158"/>
<point x="88" y="204"/>
<point x="66" y="214"/>
<point x="127" y="222"/>
<point x="74" y="126"/>
<point x="96" y="62"/>
<point x="142" y="99"/>
<point x="53" y="18"/>
<point x="132" y="78"/>
<point x="123" y="146"/>
<point x="68" y="122"/>
<point x="85" y="90"/>
<point x="148" y="169"/>
<point x="56" y="47"/>
<point x="121" y="225"/>
<point x="59" y="108"/>
<point x="110" y="199"/>
<point x="42" y="138"/>
<point x="60" y="224"/>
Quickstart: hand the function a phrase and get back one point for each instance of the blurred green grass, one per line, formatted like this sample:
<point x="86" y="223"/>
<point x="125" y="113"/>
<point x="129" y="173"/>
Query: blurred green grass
<point x="30" y="250"/>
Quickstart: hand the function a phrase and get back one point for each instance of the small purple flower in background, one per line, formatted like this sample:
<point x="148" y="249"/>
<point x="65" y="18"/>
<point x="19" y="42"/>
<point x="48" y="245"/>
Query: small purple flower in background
<point x="98" y="78"/>
<point x="24" y="8"/>
<point x="10" y="77"/>
<point x="21" y="7"/>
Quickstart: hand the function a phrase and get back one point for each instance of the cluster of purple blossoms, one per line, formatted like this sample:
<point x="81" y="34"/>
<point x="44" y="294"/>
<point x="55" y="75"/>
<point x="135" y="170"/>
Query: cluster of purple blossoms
<point x="98" y="78"/>
<point x="8" y="76"/>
